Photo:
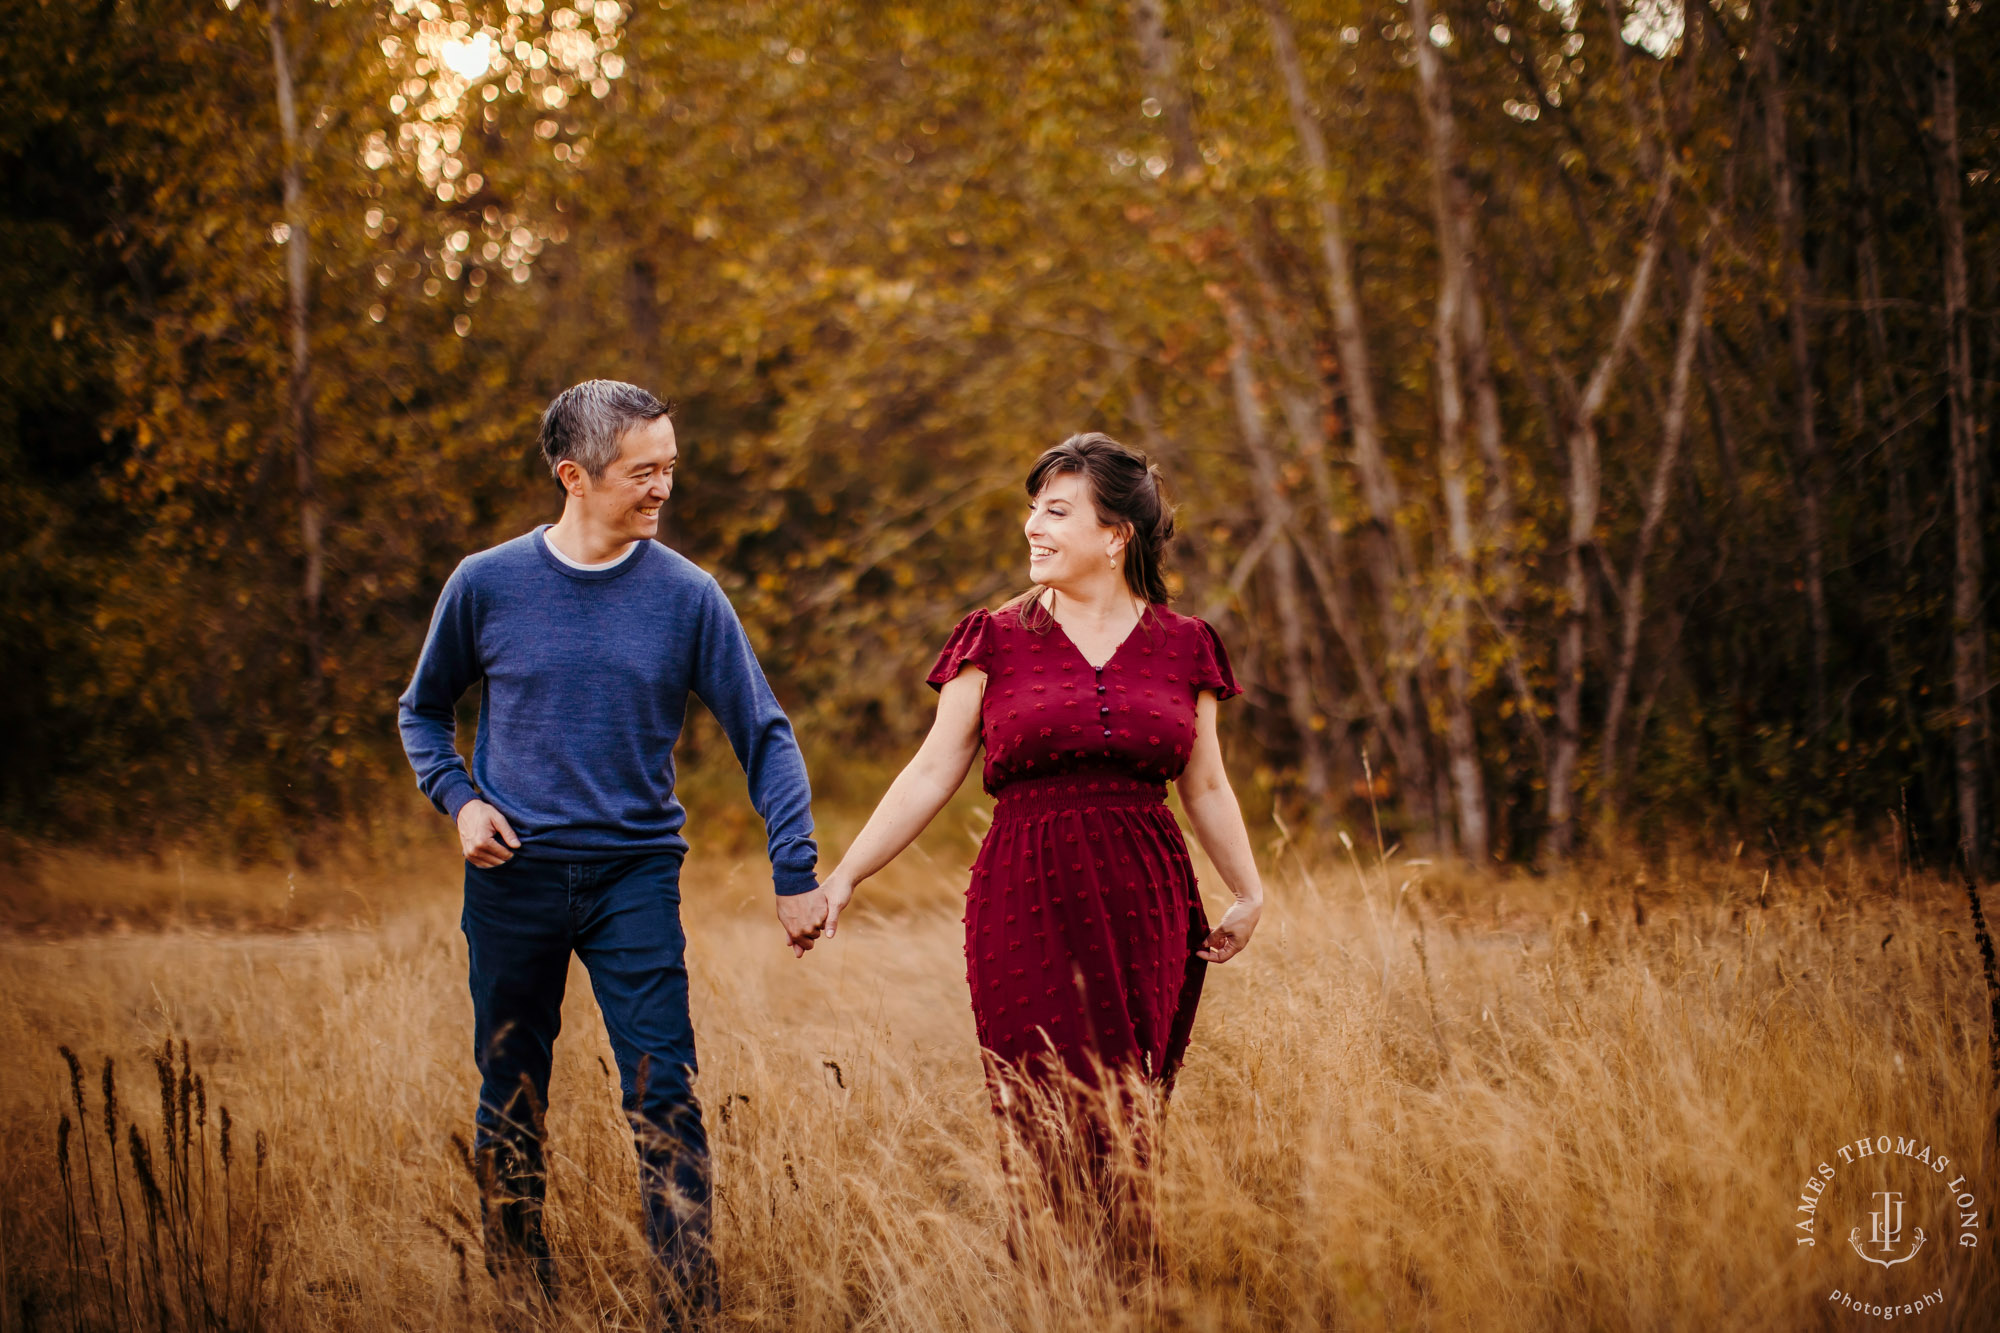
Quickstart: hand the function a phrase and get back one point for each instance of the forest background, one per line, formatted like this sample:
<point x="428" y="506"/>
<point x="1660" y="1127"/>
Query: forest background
<point x="1580" y="408"/>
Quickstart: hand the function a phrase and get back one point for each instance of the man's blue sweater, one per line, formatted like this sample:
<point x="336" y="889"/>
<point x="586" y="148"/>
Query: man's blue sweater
<point x="587" y="674"/>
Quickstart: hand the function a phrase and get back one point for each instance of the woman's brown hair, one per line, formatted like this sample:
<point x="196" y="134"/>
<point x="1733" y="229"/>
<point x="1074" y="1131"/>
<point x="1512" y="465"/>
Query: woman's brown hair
<point x="1126" y="488"/>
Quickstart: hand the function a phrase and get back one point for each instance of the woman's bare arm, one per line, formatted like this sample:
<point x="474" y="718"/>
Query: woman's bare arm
<point x="1218" y="824"/>
<point x="918" y="792"/>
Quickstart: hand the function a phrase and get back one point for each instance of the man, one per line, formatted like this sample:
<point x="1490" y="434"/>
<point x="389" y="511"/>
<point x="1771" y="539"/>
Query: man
<point x="588" y="636"/>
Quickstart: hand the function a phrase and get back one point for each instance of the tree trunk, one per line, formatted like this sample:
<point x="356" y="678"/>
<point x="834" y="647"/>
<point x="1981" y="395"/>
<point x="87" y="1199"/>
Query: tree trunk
<point x="1159" y="56"/>
<point x="1527" y="715"/>
<point x="642" y="304"/>
<point x="1486" y="426"/>
<point x="1454" y="287"/>
<point x="1894" y="470"/>
<point x="1283" y="560"/>
<point x="1386" y="547"/>
<point x="1784" y="189"/>
<point x="1328" y="580"/>
<point x="1475" y="341"/>
<point x="1585" y="485"/>
<point x="298" y="282"/>
<point x="1160" y="59"/>
<point x="1968" y="629"/>
<point x="1672" y="430"/>
<point x="1378" y="483"/>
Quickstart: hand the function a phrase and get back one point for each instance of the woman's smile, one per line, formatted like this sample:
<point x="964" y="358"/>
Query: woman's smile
<point x="1060" y="519"/>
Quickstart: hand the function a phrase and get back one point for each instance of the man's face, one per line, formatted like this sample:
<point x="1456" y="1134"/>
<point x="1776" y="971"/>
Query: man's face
<point x="626" y="500"/>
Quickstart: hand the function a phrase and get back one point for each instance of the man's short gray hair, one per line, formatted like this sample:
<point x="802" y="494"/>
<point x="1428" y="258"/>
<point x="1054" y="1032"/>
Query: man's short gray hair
<point x="584" y="423"/>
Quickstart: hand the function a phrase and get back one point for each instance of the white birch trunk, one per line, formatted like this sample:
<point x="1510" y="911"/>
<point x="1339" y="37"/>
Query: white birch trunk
<point x="1672" y="431"/>
<point x="1468" y="783"/>
<point x="1585" y="485"/>
<point x="298" y="242"/>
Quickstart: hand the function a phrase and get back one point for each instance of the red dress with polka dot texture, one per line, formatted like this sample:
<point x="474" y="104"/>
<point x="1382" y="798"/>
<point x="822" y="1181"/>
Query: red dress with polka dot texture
<point x="1082" y="917"/>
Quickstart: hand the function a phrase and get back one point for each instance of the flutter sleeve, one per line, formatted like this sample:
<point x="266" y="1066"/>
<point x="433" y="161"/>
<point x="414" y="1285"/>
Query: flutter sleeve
<point x="1211" y="664"/>
<point x="971" y="644"/>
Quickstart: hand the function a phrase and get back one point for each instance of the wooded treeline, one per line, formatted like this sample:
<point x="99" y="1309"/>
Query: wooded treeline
<point x="1580" y="407"/>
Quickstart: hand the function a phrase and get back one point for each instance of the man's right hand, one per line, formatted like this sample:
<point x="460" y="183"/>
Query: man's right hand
<point x="485" y="836"/>
<point x="803" y="915"/>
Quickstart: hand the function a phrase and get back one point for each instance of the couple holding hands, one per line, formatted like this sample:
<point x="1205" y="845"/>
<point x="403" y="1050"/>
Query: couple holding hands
<point x="1085" y="938"/>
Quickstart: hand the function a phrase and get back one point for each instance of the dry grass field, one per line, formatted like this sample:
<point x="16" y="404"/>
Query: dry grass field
<point x="1419" y="1101"/>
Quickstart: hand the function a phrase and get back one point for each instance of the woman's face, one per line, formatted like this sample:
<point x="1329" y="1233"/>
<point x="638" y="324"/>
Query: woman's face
<point x="1067" y="544"/>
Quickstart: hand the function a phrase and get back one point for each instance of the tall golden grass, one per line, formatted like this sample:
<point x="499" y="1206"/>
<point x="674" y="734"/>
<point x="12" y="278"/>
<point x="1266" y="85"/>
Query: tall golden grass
<point x="1421" y="1100"/>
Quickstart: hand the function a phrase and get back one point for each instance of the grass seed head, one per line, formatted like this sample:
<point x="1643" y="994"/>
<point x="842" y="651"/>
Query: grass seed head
<point x="142" y="1166"/>
<point x="163" y="1066"/>
<point x="75" y="1078"/>
<point x="465" y="1157"/>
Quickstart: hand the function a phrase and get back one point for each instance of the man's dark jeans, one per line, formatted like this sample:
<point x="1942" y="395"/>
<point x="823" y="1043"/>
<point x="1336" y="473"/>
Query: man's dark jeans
<point x="522" y="920"/>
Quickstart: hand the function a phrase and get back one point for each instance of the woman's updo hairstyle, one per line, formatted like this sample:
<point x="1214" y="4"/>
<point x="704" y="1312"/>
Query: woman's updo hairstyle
<point x="1125" y="486"/>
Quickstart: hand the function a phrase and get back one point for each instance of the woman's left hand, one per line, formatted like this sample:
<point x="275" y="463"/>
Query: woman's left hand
<point x="1232" y="935"/>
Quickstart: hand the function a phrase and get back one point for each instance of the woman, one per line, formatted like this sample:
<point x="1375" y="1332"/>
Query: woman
<point x="1085" y="940"/>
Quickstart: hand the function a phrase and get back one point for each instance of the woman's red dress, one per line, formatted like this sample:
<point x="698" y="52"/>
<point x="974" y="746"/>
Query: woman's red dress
<point x="1082" y="917"/>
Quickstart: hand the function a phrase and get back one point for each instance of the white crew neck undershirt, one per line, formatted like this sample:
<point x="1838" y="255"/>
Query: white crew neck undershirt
<point x="630" y="551"/>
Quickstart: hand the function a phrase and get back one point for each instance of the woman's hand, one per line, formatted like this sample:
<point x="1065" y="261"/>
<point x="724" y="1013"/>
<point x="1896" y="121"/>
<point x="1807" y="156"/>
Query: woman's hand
<point x="1218" y="821"/>
<point x="1232" y="935"/>
<point x="917" y="794"/>
<point x="839" y="890"/>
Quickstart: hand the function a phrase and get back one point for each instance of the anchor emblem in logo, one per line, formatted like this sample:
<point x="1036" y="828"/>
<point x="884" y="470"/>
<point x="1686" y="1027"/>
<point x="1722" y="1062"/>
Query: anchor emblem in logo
<point x="1885" y="1231"/>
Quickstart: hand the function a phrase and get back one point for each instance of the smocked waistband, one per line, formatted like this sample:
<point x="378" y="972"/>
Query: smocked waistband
<point x="1075" y="791"/>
